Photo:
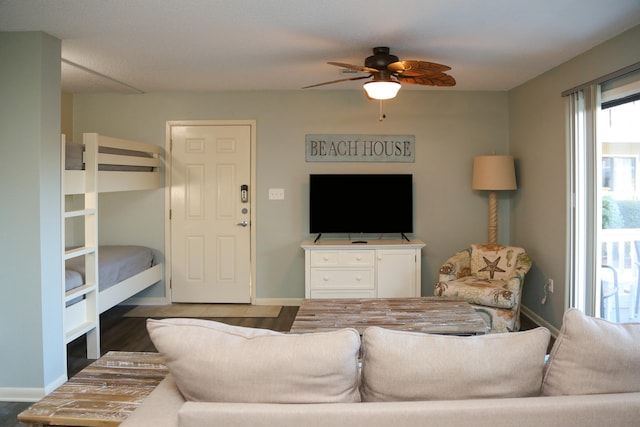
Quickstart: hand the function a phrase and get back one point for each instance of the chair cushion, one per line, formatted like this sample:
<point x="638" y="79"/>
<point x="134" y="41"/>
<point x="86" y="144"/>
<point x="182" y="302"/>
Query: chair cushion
<point x="593" y="356"/>
<point x="409" y="366"/>
<point x="215" y="362"/>
<point x="492" y="293"/>
<point x="490" y="261"/>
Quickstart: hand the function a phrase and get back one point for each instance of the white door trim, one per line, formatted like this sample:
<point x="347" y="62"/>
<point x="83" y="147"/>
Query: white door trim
<point x="167" y="195"/>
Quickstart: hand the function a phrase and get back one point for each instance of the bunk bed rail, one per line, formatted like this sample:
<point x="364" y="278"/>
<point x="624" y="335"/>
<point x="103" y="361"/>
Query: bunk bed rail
<point x="122" y="165"/>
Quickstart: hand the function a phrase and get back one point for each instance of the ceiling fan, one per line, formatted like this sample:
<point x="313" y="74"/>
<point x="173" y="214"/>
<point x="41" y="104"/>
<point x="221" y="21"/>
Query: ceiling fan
<point x="388" y="72"/>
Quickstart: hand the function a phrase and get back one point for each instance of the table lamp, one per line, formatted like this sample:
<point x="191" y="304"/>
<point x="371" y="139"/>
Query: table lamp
<point x="493" y="173"/>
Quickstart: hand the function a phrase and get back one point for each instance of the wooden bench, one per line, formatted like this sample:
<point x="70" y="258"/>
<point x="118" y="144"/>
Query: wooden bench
<point x="101" y="395"/>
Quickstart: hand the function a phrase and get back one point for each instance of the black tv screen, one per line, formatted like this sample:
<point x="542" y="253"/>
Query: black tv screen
<point x="370" y="203"/>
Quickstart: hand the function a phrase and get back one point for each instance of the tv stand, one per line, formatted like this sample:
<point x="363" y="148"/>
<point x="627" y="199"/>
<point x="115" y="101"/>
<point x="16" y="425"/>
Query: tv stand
<point x="374" y="269"/>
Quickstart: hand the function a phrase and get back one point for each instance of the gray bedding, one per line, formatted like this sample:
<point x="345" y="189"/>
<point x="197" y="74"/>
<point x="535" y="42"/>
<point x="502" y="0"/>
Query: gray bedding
<point x="73" y="158"/>
<point x="116" y="263"/>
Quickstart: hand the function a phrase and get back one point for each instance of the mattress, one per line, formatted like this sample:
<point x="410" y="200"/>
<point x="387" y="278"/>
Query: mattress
<point x="74" y="152"/>
<point x="115" y="264"/>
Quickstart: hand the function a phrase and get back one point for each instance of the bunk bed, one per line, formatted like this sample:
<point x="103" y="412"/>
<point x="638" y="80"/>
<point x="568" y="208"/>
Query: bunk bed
<point x="95" y="277"/>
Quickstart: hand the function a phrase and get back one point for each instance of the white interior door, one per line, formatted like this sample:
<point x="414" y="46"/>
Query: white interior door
<point x="210" y="213"/>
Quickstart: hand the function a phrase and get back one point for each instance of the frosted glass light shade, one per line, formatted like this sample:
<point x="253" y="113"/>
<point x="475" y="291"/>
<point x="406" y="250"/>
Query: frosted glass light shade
<point x="494" y="173"/>
<point x="382" y="89"/>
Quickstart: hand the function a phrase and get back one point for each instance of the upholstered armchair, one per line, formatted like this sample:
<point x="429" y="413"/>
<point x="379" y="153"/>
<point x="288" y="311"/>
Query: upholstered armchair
<point x="490" y="278"/>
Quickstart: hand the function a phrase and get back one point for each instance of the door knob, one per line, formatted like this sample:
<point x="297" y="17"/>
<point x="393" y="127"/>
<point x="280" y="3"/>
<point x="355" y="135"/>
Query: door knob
<point x="243" y="224"/>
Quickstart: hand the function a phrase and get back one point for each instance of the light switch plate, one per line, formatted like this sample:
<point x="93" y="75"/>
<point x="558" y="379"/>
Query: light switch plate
<point x="276" y="194"/>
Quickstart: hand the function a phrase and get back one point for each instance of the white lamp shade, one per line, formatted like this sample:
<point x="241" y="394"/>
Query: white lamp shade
<point x="381" y="89"/>
<point x="494" y="173"/>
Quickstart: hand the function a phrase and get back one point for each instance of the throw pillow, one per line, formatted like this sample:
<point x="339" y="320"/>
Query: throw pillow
<point x="593" y="356"/>
<point x="491" y="261"/>
<point x="405" y="366"/>
<point x="215" y="362"/>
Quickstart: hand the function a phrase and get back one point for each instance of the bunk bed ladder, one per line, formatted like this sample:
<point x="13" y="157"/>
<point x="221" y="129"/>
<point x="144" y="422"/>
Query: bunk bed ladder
<point x="80" y="305"/>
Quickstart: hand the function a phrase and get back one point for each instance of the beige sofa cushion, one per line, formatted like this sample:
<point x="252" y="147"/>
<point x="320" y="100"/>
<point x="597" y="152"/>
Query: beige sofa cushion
<point x="214" y="362"/>
<point x="593" y="356"/>
<point x="400" y="365"/>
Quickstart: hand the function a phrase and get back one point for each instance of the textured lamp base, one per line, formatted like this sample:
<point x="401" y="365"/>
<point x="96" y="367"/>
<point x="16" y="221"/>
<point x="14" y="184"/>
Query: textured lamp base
<point x="493" y="217"/>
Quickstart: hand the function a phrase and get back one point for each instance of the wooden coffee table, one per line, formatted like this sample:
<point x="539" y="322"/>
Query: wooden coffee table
<point x="102" y="394"/>
<point x="425" y="314"/>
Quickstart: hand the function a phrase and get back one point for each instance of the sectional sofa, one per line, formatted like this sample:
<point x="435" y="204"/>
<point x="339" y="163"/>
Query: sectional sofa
<point x="222" y="375"/>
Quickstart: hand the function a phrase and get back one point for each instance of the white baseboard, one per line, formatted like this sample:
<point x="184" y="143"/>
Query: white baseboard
<point x="540" y="321"/>
<point x="29" y="394"/>
<point x="278" y="301"/>
<point x="257" y="301"/>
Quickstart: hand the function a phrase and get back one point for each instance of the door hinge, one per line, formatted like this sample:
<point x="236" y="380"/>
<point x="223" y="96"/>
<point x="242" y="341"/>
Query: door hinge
<point x="170" y="283"/>
<point x="170" y="213"/>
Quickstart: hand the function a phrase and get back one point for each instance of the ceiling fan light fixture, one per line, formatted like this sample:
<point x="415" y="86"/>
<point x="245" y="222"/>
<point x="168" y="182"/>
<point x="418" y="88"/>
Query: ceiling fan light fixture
<point x="377" y="89"/>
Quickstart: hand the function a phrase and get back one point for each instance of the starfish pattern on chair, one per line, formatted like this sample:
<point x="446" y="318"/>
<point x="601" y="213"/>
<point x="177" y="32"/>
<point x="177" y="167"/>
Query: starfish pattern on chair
<point x="492" y="266"/>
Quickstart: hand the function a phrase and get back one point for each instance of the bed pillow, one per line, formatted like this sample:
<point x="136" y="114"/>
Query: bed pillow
<point x="409" y="366"/>
<point x="215" y="362"/>
<point x="593" y="356"/>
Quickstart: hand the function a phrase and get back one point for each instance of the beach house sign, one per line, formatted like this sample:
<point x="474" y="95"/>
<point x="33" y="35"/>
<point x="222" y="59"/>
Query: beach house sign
<point x="360" y="148"/>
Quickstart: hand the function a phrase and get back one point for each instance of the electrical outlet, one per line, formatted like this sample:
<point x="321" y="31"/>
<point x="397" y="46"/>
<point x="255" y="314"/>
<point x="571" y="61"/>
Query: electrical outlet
<point x="276" y="194"/>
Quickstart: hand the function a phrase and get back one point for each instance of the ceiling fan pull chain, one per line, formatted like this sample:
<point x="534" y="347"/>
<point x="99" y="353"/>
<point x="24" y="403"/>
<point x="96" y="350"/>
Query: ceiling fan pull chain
<point x="382" y="114"/>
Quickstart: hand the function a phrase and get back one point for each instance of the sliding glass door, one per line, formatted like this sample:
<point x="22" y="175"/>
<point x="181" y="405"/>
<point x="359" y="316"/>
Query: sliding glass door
<point x="604" y="130"/>
<point x="618" y="138"/>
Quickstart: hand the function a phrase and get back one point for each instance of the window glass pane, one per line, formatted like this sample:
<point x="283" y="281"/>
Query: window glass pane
<point x="618" y="143"/>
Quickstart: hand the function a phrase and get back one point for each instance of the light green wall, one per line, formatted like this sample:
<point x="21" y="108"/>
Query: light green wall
<point x="538" y="140"/>
<point x="66" y="112"/>
<point x="450" y="128"/>
<point x="32" y="357"/>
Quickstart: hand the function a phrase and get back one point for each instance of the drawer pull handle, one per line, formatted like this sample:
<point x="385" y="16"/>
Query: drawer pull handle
<point x="325" y="278"/>
<point x="358" y="278"/>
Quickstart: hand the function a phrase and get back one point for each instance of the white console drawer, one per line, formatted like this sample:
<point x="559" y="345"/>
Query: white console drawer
<point x="342" y="294"/>
<point x="378" y="269"/>
<point x="342" y="258"/>
<point x="345" y="278"/>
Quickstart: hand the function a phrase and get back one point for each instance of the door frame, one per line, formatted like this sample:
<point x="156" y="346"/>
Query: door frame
<point x="167" y="196"/>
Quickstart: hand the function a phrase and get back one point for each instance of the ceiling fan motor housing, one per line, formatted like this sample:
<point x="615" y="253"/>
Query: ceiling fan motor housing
<point x="380" y="59"/>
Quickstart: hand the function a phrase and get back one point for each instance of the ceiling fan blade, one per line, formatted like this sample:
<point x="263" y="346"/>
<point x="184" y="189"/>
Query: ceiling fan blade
<point x="440" y="79"/>
<point x="417" y="68"/>
<point x="338" y="81"/>
<point x="354" y="67"/>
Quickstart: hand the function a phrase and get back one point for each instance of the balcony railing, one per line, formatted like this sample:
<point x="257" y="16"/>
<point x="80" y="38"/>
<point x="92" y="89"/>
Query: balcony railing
<point x="620" y="248"/>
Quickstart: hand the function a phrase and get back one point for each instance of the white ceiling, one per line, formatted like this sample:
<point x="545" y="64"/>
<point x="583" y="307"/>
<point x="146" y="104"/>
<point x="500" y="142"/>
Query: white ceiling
<point x="211" y="45"/>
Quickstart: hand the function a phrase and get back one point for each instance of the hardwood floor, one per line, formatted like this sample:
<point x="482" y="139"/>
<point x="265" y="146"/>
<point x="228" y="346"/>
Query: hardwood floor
<point x="9" y="412"/>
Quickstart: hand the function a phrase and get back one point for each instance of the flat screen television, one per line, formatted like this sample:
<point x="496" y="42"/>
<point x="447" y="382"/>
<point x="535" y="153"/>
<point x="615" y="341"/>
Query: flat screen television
<point x="361" y="203"/>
